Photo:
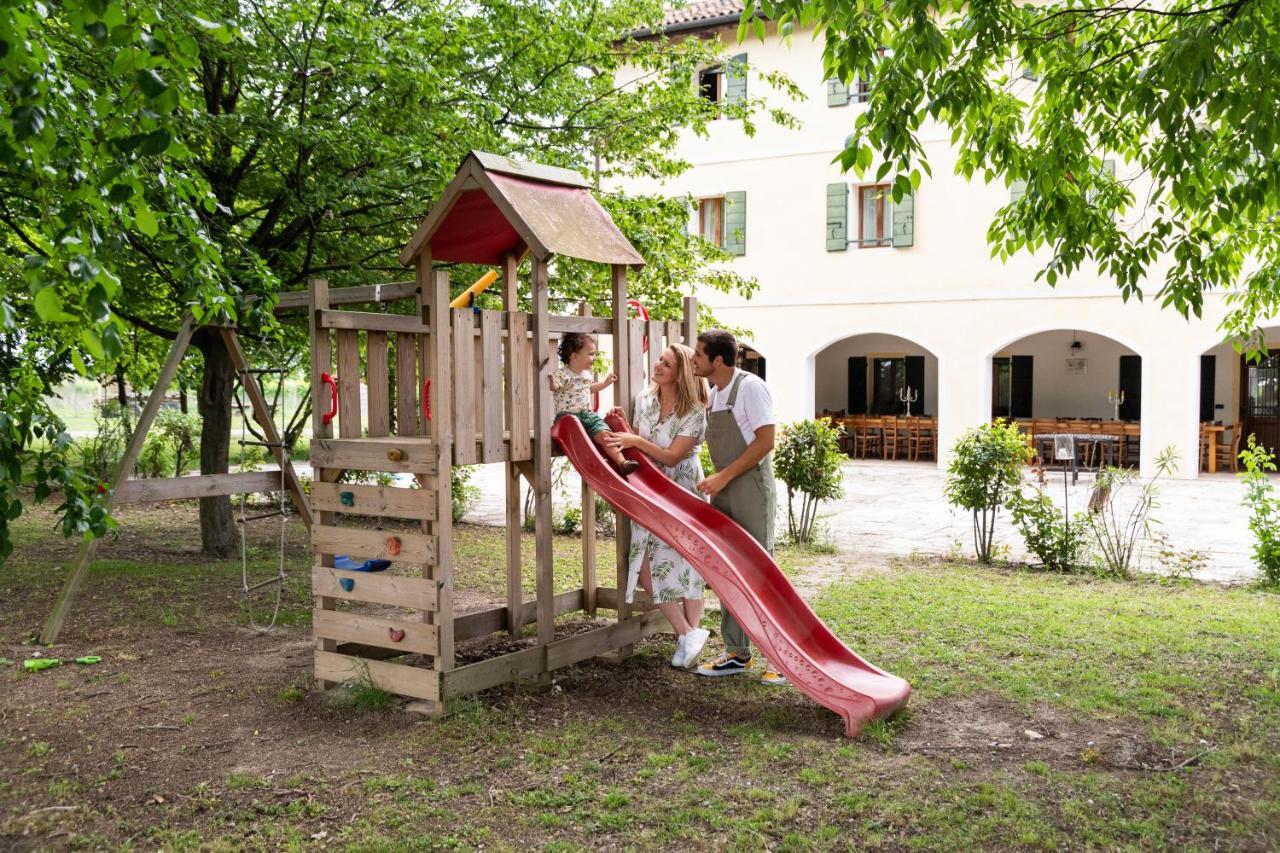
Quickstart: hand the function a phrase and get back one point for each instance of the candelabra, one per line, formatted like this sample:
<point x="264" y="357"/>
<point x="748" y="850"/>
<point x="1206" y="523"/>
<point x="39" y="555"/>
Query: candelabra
<point x="1116" y="399"/>
<point x="908" y="395"/>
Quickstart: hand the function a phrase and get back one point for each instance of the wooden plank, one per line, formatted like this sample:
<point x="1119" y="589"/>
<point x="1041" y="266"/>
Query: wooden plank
<point x="482" y="623"/>
<point x="463" y="379"/>
<point x="510" y="283"/>
<point x="262" y="414"/>
<point x="299" y="300"/>
<point x="417" y="454"/>
<point x="373" y="544"/>
<point x="395" y="678"/>
<point x="368" y="321"/>
<point x="577" y="648"/>
<point x="321" y="360"/>
<point x="589" y="549"/>
<point x="375" y="501"/>
<point x="654" y="331"/>
<point x="515" y="529"/>
<point x="407" y="385"/>
<point x="515" y="666"/>
<point x="375" y="588"/>
<point x="207" y="486"/>
<point x="624" y="390"/>
<point x="520" y="387"/>
<point x="378" y="377"/>
<point x="349" y="383"/>
<point x="53" y="624"/>
<point x="442" y="572"/>
<point x="689" y="325"/>
<point x="558" y="325"/>
<point x="544" y="567"/>
<point x="672" y="328"/>
<point x="351" y="627"/>
<point x="491" y="362"/>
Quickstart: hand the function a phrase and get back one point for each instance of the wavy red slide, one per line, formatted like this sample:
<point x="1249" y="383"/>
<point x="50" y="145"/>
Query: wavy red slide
<point x="746" y="579"/>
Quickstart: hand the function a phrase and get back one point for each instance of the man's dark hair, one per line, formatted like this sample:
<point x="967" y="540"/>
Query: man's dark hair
<point x="718" y="342"/>
<point x="570" y="343"/>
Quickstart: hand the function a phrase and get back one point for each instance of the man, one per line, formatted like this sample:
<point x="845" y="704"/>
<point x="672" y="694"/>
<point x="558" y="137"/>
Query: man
<point x="740" y="436"/>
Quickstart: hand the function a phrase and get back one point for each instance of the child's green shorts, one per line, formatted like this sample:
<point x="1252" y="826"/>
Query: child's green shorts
<point x="591" y="422"/>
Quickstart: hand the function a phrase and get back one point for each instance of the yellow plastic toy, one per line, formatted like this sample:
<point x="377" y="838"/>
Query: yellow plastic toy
<point x="467" y="298"/>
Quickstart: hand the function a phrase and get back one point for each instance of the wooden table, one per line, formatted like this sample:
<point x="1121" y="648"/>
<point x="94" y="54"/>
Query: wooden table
<point x="1212" y="431"/>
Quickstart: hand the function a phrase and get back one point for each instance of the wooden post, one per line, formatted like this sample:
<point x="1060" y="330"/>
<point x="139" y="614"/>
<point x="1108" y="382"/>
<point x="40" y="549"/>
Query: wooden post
<point x="321" y="362"/>
<point x="588" y="529"/>
<point x="53" y="625"/>
<point x="511" y="377"/>
<point x="435" y="296"/>
<point x="624" y="396"/>
<point x="690" y="326"/>
<point x="542" y="455"/>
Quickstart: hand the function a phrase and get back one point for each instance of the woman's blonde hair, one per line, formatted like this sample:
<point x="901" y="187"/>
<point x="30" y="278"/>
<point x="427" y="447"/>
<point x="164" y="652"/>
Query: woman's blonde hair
<point x="690" y="390"/>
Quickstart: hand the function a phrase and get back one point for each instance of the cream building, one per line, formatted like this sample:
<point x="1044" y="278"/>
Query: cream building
<point x="858" y="299"/>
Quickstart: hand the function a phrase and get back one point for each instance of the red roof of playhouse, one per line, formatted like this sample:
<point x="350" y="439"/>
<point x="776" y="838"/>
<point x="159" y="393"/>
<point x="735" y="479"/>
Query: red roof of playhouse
<point x="496" y="206"/>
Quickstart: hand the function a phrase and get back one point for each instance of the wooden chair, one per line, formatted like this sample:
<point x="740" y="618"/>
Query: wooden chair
<point x="870" y="438"/>
<point x="1204" y="446"/>
<point x="848" y="441"/>
<point x="1229" y="451"/>
<point x="897" y="437"/>
<point x="924" y="439"/>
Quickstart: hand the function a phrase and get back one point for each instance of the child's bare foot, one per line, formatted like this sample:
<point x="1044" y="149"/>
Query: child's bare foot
<point x="627" y="466"/>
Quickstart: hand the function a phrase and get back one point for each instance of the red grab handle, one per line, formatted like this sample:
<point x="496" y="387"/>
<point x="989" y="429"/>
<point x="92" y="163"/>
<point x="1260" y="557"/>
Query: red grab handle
<point x="644" y="315"/>
<point x="333" y="397"/>
<point x="426" y="399"/>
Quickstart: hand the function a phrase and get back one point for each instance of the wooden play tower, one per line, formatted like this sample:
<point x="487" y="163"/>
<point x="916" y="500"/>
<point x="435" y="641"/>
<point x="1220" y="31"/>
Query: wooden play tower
<point x="462" y="386"/>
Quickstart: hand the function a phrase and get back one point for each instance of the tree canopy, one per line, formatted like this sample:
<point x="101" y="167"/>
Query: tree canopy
<point x="206" y="155"/>
<point x="1181" y="92"/>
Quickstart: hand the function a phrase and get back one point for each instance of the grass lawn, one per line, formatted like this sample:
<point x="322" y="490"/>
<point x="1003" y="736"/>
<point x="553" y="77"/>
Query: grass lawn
<point x="1048" y="713"/>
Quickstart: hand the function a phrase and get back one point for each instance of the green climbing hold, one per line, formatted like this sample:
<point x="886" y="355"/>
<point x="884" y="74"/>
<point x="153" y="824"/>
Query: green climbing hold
<point x="88" y="659"/>
<point x="347" y="498"/>
<point x="37" y="664"/>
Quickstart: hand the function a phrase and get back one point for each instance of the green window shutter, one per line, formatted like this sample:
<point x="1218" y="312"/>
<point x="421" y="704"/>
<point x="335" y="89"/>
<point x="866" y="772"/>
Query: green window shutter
<point x="837" y="217"/>
<point x="735" y="79"/>
<point x="837" y="93"/>
<point x="904" y="222"/>
<point x="1017" y="190"/>
<point x="735" y="223"/>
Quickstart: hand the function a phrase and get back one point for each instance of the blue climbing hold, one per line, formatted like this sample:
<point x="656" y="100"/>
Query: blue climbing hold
<point x="345" y="563"/>
<point x="347" y="498"/>
<point x="347" y="584"/>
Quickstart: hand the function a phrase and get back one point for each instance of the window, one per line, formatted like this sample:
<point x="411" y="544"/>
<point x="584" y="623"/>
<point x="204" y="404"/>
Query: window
<point x="875" y="216"/>
<point x="861" y="90"/>
<point x="889" y="377"/>
<point x="711" y="220"/>
<point x="711" y="83"/>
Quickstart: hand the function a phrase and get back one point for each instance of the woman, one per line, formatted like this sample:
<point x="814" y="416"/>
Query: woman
<point x="670" y="422"/>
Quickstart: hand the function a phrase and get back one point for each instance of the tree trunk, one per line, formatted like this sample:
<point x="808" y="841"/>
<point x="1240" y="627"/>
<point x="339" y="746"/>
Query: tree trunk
<point x="217" y="528"/>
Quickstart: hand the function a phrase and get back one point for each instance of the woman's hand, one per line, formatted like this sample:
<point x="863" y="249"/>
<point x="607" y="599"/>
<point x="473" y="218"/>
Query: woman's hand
<point x="623" y="440"/>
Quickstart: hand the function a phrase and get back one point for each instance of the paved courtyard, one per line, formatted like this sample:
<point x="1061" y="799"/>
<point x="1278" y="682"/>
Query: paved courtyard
<point x="898" y="508"/>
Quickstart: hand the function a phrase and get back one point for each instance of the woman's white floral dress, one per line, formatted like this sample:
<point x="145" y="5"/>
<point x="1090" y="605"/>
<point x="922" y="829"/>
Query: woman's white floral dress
<point x="673" y="577"/>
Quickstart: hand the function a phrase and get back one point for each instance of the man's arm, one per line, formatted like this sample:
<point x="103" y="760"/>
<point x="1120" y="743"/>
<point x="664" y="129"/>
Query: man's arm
<point x="760" y="447"/>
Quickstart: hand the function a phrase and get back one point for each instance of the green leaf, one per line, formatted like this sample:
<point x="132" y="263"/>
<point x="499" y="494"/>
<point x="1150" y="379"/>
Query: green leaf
<point x="151" y="83"/>
<point x="48" y="304"/>
<point x="145" y="221"/>
<point x="156" y="142"/>
<point x="92" y="343"/>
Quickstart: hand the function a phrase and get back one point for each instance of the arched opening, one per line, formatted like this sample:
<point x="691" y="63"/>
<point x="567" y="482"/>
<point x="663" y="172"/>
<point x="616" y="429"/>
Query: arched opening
<point x="1069" y="382"/>
<point x="884" y="389"/>
<point x="1239" y="397"/>
<point x="751" y="360"/>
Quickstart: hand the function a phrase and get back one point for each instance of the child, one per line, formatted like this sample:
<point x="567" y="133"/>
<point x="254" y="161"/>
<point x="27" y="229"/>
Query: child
<point x="573" y="391"/>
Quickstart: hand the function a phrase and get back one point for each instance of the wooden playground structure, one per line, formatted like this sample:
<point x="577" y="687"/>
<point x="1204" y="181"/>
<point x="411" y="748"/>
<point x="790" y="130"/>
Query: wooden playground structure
<point x="459" y="386"/>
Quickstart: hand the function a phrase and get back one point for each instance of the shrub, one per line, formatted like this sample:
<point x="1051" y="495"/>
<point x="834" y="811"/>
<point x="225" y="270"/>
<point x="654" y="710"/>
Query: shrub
<point x="570" y="521"/>
<point x="1263" y="507"/>
<point x="155" y="459"/>
<point x="704" y="458"/>
<point x="1116" y="536"/>
<point x="807" y="459"/>
<point x="464" y="494"/>
<point x="182" y="434"/>
<point x="100" y="454"/>
<point x="985" y="469"/>
<point x="1055" y="539"/>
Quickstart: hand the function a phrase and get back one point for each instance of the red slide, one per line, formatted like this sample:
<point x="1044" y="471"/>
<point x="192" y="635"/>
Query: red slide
<point x="746" y="579"/>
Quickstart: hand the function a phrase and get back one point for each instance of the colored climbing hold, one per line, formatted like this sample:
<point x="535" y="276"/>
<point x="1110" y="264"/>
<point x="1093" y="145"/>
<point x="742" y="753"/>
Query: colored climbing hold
<point x="37" y="664"/>
<point x="395" y="454"/>
<point x="397" y="634"/>
<point x="347" y="498"/>
<point x="88" y="660"/>
<point x="393" y="545"/>
<point x="347" y="584"/>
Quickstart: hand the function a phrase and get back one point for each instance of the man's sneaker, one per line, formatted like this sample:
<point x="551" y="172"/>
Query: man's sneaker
<point x="773" y="677"/>
<point x="677" y="660"/>
<point x="726" y="664"/>
<point x="693" y="643"/>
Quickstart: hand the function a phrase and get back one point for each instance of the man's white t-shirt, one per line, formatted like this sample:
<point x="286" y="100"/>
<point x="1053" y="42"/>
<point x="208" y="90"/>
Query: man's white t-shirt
<point x="752" y="409"/>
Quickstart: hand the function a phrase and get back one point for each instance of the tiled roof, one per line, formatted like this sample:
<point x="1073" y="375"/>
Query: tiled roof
<point x="702" y="10"/>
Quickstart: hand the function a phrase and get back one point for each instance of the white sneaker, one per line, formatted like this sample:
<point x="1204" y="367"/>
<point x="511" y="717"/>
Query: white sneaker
<point x="693" y="643"/>
<point x="677" y="660"/>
